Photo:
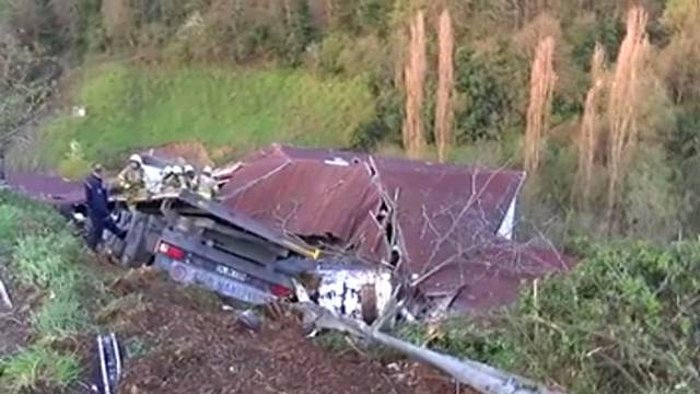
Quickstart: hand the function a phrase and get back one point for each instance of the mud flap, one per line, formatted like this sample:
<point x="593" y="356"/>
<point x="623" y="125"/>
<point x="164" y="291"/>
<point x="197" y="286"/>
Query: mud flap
<point x="107" y="365"/>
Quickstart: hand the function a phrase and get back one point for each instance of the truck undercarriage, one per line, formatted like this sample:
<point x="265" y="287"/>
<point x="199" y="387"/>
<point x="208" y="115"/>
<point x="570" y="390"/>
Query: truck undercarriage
<point x="200" y="242"/>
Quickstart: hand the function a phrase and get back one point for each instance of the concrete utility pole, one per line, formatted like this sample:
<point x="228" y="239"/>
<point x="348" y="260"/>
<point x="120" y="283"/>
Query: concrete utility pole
<point x="481" y="377"/>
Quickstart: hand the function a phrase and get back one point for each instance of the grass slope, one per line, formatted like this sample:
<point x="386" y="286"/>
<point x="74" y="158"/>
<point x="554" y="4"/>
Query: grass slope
<point x="130" y="107"/>
<point x="44" y="260"/>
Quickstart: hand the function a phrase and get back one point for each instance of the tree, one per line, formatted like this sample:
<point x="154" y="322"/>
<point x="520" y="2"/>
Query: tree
<point x="414" y="78"/>
<point x="542" y="81"/>
<point x="444" y="110"/>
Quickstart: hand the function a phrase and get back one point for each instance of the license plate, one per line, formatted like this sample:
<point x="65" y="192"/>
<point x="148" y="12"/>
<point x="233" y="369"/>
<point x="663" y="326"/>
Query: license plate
<point x="231" y="273"/>
<point x="230" y="288"/>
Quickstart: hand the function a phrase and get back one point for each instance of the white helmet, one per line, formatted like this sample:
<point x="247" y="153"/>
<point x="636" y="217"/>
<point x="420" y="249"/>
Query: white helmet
<point x="206" y="170"/>
<point x="136" y="159"/>
<point x="177" y="170"/>
<point x="189" y="168"/>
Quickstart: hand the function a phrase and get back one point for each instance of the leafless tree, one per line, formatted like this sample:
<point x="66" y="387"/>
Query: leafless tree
<point x="26" y="81"/>
<point x="443" y="109"/>
<point x="623" y="106"/>
<point x="414" y="77"/>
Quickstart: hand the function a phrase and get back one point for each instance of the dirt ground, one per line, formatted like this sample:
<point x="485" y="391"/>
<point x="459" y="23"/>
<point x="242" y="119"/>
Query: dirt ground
<point x="188" y="344"/>
<point x="193" y="152"/>
<point x="181" y="340"/>
<point x="14" y="327"/>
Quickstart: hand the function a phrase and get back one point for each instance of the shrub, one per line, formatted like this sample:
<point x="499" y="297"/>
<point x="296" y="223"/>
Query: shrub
<point x="491" y="86"/>
<point x="626" y="320"/>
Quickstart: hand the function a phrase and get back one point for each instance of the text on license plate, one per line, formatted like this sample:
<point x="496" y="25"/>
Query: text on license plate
<point x="230" y="272"/>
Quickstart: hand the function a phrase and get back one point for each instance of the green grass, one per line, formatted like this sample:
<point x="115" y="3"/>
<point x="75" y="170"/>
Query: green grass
<point x="36" y="367"/>
<point x="63" y="316"/>
<point x="130" y="108"/>
<point x="41" y="260"/>
<point x="45" y="258"/>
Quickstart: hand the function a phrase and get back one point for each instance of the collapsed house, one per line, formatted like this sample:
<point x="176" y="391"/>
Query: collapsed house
<point x="448" y="230"/>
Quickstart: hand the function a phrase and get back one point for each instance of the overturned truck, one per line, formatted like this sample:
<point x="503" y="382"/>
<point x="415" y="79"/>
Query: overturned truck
<point x="201" y="242"/>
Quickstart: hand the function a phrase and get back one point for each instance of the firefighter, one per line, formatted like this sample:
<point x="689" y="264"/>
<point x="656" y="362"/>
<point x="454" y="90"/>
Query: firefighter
<point x="172" y="179"/>
<point x="191" y="178"/>
<point x="96" y="197"/>
<point x="180" y="175"/>
<point x="170" y="182"/>
<point x="208" y="187"/>
<point x="132" y="179"/>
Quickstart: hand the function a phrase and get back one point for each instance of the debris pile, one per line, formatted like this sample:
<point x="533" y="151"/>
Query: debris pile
<point x="444" y="231"/>
<point x="440" y="235"/>
<point x="357" y="241"/>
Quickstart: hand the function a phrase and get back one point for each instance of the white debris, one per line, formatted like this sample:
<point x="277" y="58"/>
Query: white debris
<point x="79" y="217"/>
<point x="337" y="161"/>
<point x="4" y="295"/>
<point x="340" y="289"/>
<point x="79" y="112"/>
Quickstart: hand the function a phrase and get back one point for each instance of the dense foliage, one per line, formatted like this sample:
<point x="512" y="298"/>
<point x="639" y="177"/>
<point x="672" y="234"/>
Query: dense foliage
<point x="364" y="41"/>
<point x="625" y="321"/>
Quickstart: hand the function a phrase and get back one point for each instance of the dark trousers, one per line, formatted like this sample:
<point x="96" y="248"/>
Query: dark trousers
<point x="98" y="226"/>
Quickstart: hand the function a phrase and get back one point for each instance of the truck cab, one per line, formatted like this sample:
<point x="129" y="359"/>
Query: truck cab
<point x="204" y="243"/>
<point x="201" y="242"/>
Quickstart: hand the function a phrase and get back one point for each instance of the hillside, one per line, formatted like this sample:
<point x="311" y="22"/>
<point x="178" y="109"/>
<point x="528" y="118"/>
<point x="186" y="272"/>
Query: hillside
<point x="515" y="83"/>
<point x="598" y="101"/>
<point x="229" y="110"/>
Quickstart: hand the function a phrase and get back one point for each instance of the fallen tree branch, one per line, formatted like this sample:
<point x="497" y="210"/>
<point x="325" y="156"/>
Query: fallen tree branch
<point x="481" y="377"/>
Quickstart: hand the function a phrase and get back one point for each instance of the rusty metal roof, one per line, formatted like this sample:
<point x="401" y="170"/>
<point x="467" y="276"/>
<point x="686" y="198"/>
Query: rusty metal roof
<point x="445" y="213"/>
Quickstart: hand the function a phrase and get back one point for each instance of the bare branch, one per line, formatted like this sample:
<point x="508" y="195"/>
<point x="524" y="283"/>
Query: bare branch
<point x="254" y="182"/>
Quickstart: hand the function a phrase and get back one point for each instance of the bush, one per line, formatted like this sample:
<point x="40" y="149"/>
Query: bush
<point x="9" y="217"/>
<point x="490" y="86"/>
<point x="42" y="220"/>
<point x="626" y="320"/>
<point x="650" y="202"/>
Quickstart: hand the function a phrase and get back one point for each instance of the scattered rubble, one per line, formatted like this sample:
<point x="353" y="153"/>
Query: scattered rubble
<point x="447" y="230"/>
<point x="439" y="234"/>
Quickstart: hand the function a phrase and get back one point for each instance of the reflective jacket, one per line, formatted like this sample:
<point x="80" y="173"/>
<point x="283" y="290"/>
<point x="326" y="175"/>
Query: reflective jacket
<point x="132" y="178"/>
<point x="207" y="187"/>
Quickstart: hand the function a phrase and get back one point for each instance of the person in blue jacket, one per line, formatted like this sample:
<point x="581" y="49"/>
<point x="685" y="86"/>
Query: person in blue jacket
<point x="96" y="198"/>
